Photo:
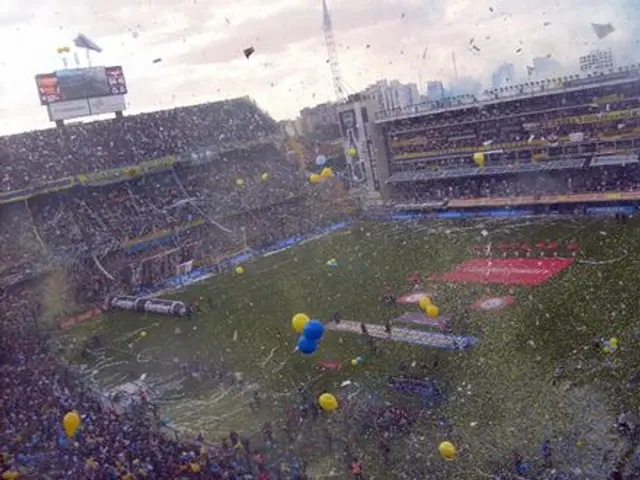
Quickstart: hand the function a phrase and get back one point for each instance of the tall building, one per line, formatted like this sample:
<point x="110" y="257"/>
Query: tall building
<point x="435" y="91"/>
<point x="319" y="116"/>
<point x="504" y="76"/>
<point x="545" y="67"/>
<point x="393" y="95"/>
<point x="597" y="61"/>
<point x="463" y="86"/>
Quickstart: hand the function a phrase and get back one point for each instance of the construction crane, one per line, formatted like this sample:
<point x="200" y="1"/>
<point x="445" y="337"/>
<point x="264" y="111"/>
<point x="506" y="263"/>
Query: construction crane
<point x="332" y="53"/>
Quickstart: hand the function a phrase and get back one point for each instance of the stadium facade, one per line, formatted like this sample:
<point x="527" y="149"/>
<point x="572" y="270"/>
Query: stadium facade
<point x="538" y="142"/>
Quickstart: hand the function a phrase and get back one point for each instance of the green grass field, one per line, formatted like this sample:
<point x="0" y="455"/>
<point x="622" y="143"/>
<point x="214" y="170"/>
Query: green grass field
<point x="501" y="396"/>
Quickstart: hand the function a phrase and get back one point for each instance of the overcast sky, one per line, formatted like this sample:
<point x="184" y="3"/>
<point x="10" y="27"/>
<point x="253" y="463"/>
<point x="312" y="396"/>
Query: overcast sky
<point x="201" y="42"/>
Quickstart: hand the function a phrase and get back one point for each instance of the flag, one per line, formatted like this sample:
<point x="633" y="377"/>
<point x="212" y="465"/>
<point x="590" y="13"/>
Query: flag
<point x="530" y="70"/>
<point x="82" y="41"/>
<point x="248" y="51"/>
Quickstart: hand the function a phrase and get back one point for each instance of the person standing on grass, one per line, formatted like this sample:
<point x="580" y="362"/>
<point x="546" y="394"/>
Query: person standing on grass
<point x="546" y="454"/>
<point x="417" y="281"/>
<point x="385" y="449"/>
<point x="357" y="470"/>
<point x="363" y="329"/>
<point x="389" y="299"/>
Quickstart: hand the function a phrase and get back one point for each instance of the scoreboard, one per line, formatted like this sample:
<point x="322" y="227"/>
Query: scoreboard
<point x="79" y="92"/>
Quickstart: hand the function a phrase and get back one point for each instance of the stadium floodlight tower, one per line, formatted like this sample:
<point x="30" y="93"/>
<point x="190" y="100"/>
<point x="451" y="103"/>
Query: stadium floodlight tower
<point x="332" y="53"/>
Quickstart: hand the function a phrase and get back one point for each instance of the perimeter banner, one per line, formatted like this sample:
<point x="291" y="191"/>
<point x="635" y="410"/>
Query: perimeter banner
<point x="27" y="193"/>
<point x="125" y="173"/>
<point x="149" y="305"/>
<point x="506" y="271"/>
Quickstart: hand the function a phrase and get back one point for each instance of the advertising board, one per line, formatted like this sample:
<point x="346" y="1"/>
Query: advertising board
<point x="102" y="105"/>
<point x="68" y="110"/>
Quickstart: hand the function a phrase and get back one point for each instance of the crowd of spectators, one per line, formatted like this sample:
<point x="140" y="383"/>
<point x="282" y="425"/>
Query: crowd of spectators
<point x="583" y="121"/>
<point x="34" y="158"/>
<point x="594" y="179"/>
<point x="72" y="224"/>
<point x="228" y="195"/>
<point x="241" y="180"/>
<point x="572" y="102"/>
<point x="36" y="391"/>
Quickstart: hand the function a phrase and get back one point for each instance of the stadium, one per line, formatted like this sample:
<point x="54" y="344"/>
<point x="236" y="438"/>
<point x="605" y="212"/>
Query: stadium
<point x="512" y="214"/>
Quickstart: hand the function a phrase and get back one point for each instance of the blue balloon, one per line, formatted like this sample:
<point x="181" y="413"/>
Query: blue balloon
<point x="307" y="345"/>
<point x="313" y="330"/>
<point x="321" y="160"/>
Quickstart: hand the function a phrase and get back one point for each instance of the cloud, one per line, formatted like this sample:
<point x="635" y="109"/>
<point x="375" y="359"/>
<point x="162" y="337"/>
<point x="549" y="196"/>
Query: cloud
<point x="201" y="45"/>
<point x="298" y="24"/>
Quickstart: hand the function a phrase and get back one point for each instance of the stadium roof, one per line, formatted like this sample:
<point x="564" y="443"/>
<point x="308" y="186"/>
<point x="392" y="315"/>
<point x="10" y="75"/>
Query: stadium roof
<point x="421" y="176"/>
<point x="466" y="101"/>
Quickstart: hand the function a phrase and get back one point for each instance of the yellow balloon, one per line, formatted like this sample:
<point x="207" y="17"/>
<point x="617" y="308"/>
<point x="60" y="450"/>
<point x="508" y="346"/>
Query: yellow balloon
<point x="326" y="173"/>
<point x="143" y="334"/>
<point x="613" y="342"/>
<point x="239" y="182"/>
<point x="478" y="157"/>
<point x="314" y="178"/>
<point x="433" y="311"/>
<point x="264" y="177"/>
<point x="354" y="362"/>
<point x="425" y="302"/>
<point x="299" y="321"/>
<point x="328" y="402"/>
<point x="239" y="269"/>
<point x="447" y="450"/>
<point x="71" y="422"/>
<point x="352" y="152"/>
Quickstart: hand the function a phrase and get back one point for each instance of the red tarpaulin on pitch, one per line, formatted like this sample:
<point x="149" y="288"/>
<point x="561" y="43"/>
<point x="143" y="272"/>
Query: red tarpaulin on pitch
<point x="506" y="271"/>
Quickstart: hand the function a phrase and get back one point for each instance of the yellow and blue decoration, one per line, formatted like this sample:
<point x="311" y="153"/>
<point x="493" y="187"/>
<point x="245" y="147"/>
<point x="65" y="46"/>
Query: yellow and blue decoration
<point x="311" y="332"/>
<point x="332" y="262"/>
<point x="610" y="346"/>
<point x="448" y="451"/>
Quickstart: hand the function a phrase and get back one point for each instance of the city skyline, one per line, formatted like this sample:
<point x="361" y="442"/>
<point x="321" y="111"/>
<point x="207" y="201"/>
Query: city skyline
<point x="202" y="60"/>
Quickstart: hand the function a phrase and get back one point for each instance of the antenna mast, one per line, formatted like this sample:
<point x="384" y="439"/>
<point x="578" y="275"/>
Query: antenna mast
<point x="455" y="65"/>
<point x="332" y="53"/>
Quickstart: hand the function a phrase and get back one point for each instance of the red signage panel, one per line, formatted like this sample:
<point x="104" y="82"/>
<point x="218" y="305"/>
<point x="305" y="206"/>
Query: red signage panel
<point x="506" y="271"/>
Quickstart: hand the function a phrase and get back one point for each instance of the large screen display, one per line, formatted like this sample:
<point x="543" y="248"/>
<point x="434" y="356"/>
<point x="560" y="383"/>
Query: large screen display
<point x="80" y="83"/>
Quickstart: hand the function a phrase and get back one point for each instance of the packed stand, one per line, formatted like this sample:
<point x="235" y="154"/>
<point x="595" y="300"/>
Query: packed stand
<point x="89" y="219"/>
<point x="585" y="121"/>
<point x="139" y="266"/>
<point x="22" y="252"/>
<point x="34" y="158"/>
<point x="36" y="393"/>
<point x="587" y="180"/>
<point x="241" y="180"/>
<point x="100" y="219"/>
<point x="571" y="103"/>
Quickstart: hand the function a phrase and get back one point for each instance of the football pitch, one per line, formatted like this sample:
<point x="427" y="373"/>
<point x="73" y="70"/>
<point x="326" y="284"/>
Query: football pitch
<point x="528" y="374"/>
